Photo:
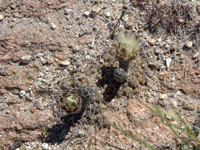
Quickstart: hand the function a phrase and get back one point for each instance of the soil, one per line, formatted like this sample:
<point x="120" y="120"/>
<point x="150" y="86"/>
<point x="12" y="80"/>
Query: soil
<point x="51" y="47"/>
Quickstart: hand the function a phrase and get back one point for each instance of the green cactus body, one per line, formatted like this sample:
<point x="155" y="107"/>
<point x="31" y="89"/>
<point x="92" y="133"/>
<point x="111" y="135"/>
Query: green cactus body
<point x="71" y="103"/>
<point x="74" y="102"/>
<point x="119" y="75"/>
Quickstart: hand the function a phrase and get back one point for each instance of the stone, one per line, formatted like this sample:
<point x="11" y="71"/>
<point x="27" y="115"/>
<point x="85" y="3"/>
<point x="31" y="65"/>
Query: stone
<point x="168" y="61"/>
<point x="40" y="55"/>
<point x="152" y="42"/>
<point x="163" y="96"/>
<point x="1" y="17"/>
<point x="26" y="59"/>
<point x="96" y="9"/>
<point x="86" y="13"/>
<point x="158" y="51"/>
<point x="174" y="103"/>
<point x="189" y="44"/>
<point x="43" y="60"/>
<point x="45" y="146"/>
<point x="173" y="48"/>
<point x="108" y="14"/>
<point x="68" y="11"/>
<point x="182" y="57"/>
<point x="53" y="26"/>
<point x="173" y="79"/>
<point x="28" y="97"/>
<point x="195" y="55"/>
<point x="64" y="63"/>
<point x="128" y="25"/>
<point x="76" y="49"/>
<point x="22" y="93"/>
<point x="150" y="100"/>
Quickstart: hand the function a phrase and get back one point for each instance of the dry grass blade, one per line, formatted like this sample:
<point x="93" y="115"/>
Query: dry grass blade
<point x="131" y="135"/>
<point x="188" y="131"/>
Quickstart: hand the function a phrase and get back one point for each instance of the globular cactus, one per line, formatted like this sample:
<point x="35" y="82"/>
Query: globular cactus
<point x="119" y="75"/>
<point x="71" y="102"/>
<point x="126" y="45"/>
<point x="85" y="92"/>
<point x="74" y="102"/>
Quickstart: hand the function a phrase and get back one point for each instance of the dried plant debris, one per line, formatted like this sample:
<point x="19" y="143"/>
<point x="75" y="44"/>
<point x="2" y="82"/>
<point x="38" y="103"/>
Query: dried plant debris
<point x="169" y="16"/>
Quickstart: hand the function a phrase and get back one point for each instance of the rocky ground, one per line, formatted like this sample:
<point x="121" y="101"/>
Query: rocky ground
<point x="50" y="44"/>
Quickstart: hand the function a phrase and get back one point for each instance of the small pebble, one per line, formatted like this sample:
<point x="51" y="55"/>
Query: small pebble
<point x="53" y="26"/>
<point x="168" y="61"/>
<point x="188" y="44"/>
<point x="26" y="59"/>
<point x="43" y="60"/>
<point x="195" y="55"/>
<point x="173" y="48"/>
<point x="174" y="104"/>
<point x="101" y="60"/>
<point x="1" y="17"/>
<point x="108" y="14"/>
<point x="95" y="9"/>
<point x="68" y="11"/>
<point x="159" y="40"/>
<point x="94" y="70"/>
<point x="22" y="93"/>
<point x="163" y="96"/>
<point x="86" y="13"/>
<point x="150" y="100"/>
<point x="64" y="63"/>
<point x="88" y="57"/>
<point x="182" y="57"/>
<point x="167" y="46"/>
<point x="125" y="18"/>
<point x="28" y="97"/>
<point x="181" y="20"/>
<point x="45" y="146"/>
<point x="152" y="42"/>
<point x="40" y="55"/>
<point x="158" y="51"/>
<point x="128" y="25"/>
<point x="76" y="49"/>
<point x="7" y="111"/>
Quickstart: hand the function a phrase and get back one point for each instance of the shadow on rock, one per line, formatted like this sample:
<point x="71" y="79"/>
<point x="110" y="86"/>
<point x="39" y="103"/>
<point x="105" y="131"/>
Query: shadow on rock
<point x="112" y="87"/>
<point x="59" y="131"/>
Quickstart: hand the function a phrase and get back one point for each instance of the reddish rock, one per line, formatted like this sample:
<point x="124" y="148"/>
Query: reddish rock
<point x="137" y="119"/>
<point x="11" y="125"/>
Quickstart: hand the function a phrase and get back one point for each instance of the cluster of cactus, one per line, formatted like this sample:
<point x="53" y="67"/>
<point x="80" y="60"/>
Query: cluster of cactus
<point x="126" y="45"/>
